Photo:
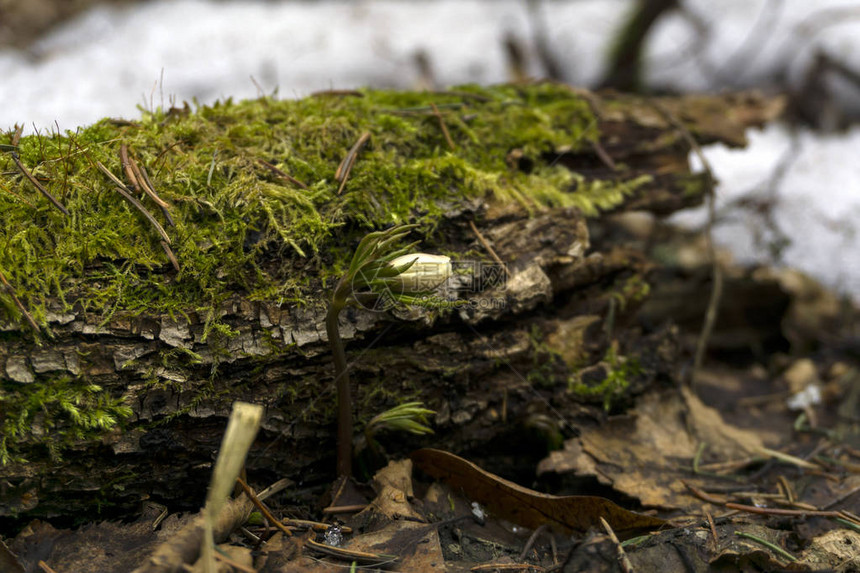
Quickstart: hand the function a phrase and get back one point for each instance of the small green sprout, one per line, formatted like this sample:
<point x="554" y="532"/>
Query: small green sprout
<point x="379" y="276"/>
<point x="409" y="417"/>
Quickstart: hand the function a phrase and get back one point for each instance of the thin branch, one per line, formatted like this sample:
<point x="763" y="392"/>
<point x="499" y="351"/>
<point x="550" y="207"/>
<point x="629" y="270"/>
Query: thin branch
<point x="716" y="269"/>
<point x="702" y="494"/>
<point x="781" y="512"/>
<point x="263" y="509"/>
<point x="531" y="540"/>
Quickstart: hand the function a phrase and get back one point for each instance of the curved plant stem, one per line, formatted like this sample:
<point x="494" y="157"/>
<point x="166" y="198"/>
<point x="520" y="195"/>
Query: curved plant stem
<point x="344" y="398"/>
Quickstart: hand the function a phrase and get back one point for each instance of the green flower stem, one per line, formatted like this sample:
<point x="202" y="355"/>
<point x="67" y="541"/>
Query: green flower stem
<point x="376" y="269"/>
<point x="344" y="397"/>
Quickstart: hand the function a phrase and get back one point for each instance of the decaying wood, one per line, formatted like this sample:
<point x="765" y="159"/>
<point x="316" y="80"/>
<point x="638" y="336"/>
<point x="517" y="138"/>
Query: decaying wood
<point x="473" y="365"/>
<point x="183" y="547"/>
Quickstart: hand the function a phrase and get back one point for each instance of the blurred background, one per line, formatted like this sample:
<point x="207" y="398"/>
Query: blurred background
<point x="791" y="198"/>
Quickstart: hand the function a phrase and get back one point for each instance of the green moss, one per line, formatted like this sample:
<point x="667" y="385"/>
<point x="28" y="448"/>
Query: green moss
<point x="63" y="410"/>
<point x="545" y="360"/>
<point x="234" y="218"/>
<point x="242" y="229"/>
<point x="633" y="289"/>
<point x="619" y="371"/>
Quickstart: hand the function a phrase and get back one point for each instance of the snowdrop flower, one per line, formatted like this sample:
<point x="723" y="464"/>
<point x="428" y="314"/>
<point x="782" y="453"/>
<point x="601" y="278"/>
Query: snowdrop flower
<point x="420" y="272"/>
<point x="379" y="273"/>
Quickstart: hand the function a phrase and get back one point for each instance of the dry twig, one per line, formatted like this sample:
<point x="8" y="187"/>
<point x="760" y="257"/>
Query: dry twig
<point x="31" y="178"/>
<point x="282" y="174"/>
<point x="263" y="509"/>
<point x="623" y="560"/>
<point x="345" y="167"/>
<point x="11" y="292"/>
<point x="489" y="248"/>
<point x="717" y="271"/>
<point x="443" y="126"/>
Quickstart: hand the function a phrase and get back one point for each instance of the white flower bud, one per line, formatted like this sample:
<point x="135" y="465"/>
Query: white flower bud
<point x="425" y="274"/>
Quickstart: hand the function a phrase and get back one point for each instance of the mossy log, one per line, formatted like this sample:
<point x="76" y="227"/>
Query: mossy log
<point x="125" y="342"/>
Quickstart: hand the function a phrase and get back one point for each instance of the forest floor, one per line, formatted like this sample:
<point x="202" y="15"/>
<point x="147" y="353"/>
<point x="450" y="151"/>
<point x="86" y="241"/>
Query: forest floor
<point x="750" y="462"/>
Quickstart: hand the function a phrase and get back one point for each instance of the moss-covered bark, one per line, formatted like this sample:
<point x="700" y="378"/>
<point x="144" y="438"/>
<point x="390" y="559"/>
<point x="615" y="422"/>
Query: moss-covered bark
<point x="122" y="388"/>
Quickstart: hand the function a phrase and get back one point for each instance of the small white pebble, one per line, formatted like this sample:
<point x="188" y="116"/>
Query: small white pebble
<point x="478" y="511"/>
<point x="334" y="536"/>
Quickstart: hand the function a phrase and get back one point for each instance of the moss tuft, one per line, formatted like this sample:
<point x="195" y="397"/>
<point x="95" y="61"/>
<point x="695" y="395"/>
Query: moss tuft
<point x="61" y="410"/>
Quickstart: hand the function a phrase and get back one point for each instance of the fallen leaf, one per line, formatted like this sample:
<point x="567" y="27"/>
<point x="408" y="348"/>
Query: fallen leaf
<point x="648" y="453"/>
<point x="526" y="507"/>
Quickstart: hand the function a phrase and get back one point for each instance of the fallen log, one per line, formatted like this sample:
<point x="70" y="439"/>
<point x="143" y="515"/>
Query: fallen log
<point x="147" y="331"/>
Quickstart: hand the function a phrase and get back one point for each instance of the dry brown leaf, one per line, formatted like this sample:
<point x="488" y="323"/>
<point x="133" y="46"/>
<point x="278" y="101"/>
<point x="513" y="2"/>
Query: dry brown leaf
<point x="416" y="545"/>
<point x="527" y="507"/>
<point x="837" y="549"/>
<point x="647" y="454"/>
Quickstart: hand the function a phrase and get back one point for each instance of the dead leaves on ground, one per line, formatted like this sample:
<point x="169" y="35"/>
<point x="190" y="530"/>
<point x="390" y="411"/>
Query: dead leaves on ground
<point x="647" y="453"/>
<point x="526" y="507"/>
